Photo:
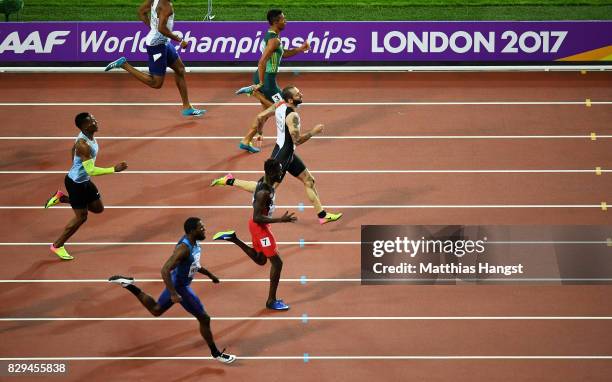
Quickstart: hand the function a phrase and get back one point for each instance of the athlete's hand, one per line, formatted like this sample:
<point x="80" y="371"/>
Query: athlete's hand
<point x="318" y="129"/>
<point x="214" y="279"/>
<point x="176" y="298"/>
<point x="305" y="46"/>
<point x="288" y="217"/>
<point x="184" y="44"/>
<point x="120" y="167"/>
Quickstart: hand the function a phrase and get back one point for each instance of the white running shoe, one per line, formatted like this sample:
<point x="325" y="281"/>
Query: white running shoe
<point x="121" y="280"/>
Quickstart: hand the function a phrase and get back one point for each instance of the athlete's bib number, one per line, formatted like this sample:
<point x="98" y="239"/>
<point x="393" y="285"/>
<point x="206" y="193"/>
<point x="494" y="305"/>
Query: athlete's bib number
<point x="193" y="269"/>
<point x="277" y="97"/>
<point x="265" y="242"/>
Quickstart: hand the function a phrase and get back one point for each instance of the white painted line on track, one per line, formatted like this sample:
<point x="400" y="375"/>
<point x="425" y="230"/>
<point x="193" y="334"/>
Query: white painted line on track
<point x="331" y="358"/>
<point x="318" y="318"/>
<point x="179" y="172"/>
<point x="381" y="103"/>
<point x="371" y="206"/>
<point x="323" y="137"/>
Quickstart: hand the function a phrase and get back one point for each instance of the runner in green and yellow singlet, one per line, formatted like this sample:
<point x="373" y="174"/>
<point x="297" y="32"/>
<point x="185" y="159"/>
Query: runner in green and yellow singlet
<point x="264" y="87"/>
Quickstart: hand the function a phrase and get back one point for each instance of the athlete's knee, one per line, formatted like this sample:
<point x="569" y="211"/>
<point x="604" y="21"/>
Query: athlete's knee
<point x="261" y="259"/>
<point x="157" y="311"/>
<point x="276" y="261"/>
<point x="179" y="71"/>
<point x="97" y="209"/>
<point x="81" y="217"/>
<point x="157" y="82"/>
<point x="204" y="319"/>
<point x="309" y="181"/>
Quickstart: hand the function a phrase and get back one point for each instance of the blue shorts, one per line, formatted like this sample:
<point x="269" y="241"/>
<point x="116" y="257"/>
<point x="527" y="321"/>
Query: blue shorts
<point x="160" y="57"/>
<point x="190" y="303"/>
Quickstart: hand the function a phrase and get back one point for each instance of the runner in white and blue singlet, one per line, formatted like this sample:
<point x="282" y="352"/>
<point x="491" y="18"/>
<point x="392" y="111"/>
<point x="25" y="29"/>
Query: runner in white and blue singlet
<point x="177" y="273"/>
<point x="159" y="16"/>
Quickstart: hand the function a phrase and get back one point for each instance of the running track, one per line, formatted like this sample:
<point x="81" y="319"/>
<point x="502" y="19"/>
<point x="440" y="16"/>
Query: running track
<point x="444" y="121"/>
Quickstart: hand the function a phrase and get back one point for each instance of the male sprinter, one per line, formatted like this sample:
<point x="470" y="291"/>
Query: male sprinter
<point x="265" y="88"/>
<point x="83" y="195"/>
<point x="161" y="53"/>
<point x="264" y="244"/>
<point x="178" y="273"/>
<point x="288" y="136"/>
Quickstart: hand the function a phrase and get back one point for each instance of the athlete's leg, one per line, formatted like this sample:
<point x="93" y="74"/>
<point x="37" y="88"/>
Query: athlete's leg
<point x="311" y="191"/>
<point x="265" y="103"/>
<point x="153" y="81"/>
<point x="80" y="217"/>
<point x="181" y="84"/>
<point x="257" y="257"/>
<point x="229" y="180"/>
<point x="275" y="273"/>
<point x="97" y="207"/>
<point x="156" y="308"/>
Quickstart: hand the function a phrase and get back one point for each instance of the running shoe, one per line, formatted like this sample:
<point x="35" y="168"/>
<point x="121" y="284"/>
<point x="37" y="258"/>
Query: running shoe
<point x="277" y="305"/>
<point x="221" y="181"/>
<point x="250" y="148"/>
<point x="61" y="252"/>
<point x="248" y="90"/>
<point x="115" y="64"/>
<point x="329" y="217"/>
<point x="225" y="357"/>
<point x="225" y="235"/>
<point x="121" y="280"/>
<point x="191" y="112"/>
<point x="54" y="199"/>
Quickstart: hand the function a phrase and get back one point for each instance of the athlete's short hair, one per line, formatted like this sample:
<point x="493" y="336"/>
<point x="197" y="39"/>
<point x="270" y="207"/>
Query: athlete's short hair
<point x="273" y="15"/>
<point x="191" y="224"/>
<point x="287" y="92"/>
<point x="80" y="119"/>
<point x="270" y="165"/>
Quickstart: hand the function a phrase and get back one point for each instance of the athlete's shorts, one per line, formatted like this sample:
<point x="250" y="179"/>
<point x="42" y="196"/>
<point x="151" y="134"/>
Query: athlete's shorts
<point x="270" y="88"/>
<point x="263" y="239"/>
<point x="160" y="57"/>
<point x="81" y="194"/>
<point x="289" y="160"/>
<point x="190" y="302"/>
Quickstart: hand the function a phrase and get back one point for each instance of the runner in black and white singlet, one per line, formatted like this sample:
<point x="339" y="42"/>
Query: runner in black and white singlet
<point x="288" y="136"/>
<point x="159" y="16"/>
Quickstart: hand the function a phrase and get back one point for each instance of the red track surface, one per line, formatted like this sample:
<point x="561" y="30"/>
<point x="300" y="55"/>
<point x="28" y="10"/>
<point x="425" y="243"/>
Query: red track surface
<point x="238" y="299"/>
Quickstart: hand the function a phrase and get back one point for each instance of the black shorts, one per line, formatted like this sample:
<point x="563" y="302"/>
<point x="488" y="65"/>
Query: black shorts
<point x="81" y="194"/>
<point x="289" y="161"/>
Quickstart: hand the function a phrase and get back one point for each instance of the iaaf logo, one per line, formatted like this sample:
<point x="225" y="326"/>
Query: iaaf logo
<point x="33" y="42"/>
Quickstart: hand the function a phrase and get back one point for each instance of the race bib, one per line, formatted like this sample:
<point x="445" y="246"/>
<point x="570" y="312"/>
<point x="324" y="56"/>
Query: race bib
<point x="277" y="97"/>
<point x="265" y="242"/>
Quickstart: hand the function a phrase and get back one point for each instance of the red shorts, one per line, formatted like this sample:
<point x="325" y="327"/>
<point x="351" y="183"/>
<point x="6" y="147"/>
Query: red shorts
<point x="263" y="239"/>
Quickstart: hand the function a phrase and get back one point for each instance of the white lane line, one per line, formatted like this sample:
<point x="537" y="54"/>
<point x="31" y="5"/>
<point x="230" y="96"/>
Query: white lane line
<point x="334" y="137"/>
<point x="303" y="243"/>
<point x="365" y="206"/>
<point x="306" y="280"/>
<point x="381" y="103"/>
<point x="178" y="172"/>
<point x="309" y="357"/>
<point x="318" y="318"/>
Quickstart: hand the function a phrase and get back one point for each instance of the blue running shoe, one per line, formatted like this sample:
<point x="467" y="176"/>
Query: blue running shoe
<point x="225" y="235"/>
<point x="115" y="64"/>
<point x="250" y="148"/>
<point x="191" y="112"/>
<point x="277" y="305"/>
<point x="245" y="90"/>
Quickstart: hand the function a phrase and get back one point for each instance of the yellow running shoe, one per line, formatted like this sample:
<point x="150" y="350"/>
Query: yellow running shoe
<point x="61" y="252"/>
<point x="221" y="181"/>
<point x="54" y="199"/>
<point x="329" y="217"/>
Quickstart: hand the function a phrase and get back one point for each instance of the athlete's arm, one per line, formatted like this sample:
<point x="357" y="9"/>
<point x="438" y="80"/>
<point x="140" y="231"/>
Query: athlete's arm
<point x="181" y="252"/>
<point x="292" y="52"/>
<point x="209" y="274"/>
<point x="262" y="197"/>
<point x="293" y="123"/>
<point x="144" y="11"/>
<point x="262" y="117"/>
<point x="272" y="45"/>
<point x="164" y="12"/>
<point x="84" y="152"/>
